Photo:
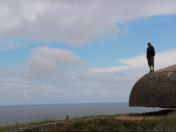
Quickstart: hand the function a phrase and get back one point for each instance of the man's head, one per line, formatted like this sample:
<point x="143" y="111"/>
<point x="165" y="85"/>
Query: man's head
<point x="149" y="44"/>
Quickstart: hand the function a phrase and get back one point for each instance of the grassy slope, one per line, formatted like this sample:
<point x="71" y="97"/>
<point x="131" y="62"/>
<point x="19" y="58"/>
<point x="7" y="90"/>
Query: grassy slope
<point x="109" y="123"/>
<point x="166" y="123"/>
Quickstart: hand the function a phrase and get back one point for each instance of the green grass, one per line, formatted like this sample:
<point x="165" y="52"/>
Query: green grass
<point x="165" y="123"/>
<point x="19" y="125"/>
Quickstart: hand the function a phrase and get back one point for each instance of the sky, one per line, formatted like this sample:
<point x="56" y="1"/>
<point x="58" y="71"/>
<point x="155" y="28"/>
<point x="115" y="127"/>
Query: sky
<point x="81" y="51"/>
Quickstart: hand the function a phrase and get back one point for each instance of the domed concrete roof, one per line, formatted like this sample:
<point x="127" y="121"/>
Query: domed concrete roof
<point x="156" y="89"/>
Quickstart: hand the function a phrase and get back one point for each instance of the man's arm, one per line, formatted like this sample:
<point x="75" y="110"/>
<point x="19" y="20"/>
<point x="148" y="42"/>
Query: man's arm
<point x="153" y="50"/>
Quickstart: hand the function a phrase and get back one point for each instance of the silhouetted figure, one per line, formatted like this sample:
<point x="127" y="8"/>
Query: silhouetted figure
<point x="150" y="56"/>
<point x="67" y="117"/>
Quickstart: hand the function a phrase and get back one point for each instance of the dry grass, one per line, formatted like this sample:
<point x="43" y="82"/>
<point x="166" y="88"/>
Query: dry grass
<point x="163" y="122"/>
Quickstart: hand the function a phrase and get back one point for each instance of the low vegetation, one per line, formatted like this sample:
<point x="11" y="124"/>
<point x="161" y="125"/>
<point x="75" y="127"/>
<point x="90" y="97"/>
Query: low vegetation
<point x="109" y="123"/>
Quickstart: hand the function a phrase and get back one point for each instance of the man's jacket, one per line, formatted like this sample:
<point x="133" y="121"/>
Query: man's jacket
<point x="150" y="51"/>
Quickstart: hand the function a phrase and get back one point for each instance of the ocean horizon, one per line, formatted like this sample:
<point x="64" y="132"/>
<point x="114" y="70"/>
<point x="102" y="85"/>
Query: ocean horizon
<point x="12" y="114"/>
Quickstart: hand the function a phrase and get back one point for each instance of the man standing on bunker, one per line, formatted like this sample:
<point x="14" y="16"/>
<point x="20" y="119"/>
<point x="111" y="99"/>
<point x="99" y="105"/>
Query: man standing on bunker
<point x="150" y="56"/>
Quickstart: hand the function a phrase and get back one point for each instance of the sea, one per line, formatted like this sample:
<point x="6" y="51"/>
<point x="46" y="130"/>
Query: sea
<point x="13" y="114"/>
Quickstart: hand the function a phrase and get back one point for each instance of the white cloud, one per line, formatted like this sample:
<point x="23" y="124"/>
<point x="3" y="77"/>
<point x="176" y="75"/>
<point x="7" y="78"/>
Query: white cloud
<point x="75" y="22"/>
<point x="53" y="77"/>
<point x="110" y="69"/>
<point x="162" y="59"/>
<point x="13" y="46"/>
<point x="51" y="61"/>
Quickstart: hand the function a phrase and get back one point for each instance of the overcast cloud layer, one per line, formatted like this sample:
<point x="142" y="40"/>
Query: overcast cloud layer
<point x="75" y="22"/>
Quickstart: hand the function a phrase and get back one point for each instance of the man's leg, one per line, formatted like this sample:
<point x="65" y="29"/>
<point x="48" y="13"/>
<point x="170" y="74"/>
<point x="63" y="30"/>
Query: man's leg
<point x="149" y="63"/>
<point x="153" y="64"/>
<point x="151" y="69"/>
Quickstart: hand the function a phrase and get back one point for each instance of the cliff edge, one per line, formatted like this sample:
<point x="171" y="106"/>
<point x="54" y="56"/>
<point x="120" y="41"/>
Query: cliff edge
<point x="156" y="89"/>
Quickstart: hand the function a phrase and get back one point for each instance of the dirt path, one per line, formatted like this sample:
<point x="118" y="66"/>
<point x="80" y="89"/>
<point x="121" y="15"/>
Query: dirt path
<point x="141" y="116"/>
<point x="135" y="118"/>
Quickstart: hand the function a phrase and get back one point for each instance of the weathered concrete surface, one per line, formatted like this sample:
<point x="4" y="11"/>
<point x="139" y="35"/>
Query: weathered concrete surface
<point x="157" y="89"/>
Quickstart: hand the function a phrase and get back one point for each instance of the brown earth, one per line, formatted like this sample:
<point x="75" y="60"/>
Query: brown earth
<point x="141" y="116"/>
